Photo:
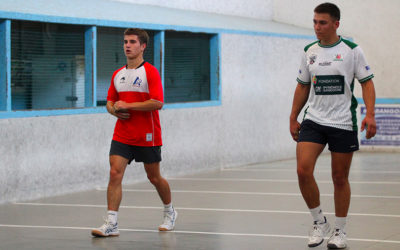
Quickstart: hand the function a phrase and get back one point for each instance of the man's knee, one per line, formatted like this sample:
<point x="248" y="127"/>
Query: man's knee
<point x="116" y="175"/>
<point x="304" y="173"/>
<point x="155" y="180"/>
<point x="339" y="179"/>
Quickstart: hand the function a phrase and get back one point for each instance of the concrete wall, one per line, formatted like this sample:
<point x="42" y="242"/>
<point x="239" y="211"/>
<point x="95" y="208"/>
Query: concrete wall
<point x="373" y="24"/>
<point x="44" y="156"/>
<point x="258" y="9"/>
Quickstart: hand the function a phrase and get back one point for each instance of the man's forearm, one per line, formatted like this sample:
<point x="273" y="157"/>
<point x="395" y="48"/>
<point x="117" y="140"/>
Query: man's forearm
<point x="368" y="92"/>
<point x="148" y="105"/>
<point x="110" y="107"/>
<point x="299" y="100"/>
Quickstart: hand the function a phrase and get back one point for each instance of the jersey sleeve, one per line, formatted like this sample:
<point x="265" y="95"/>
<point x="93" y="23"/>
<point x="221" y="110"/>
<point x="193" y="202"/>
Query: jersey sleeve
<point x="112" y="94"/>
<point x="155" y="85"/>
<point x="304" y="74"/>
<point x="362" y="70"/>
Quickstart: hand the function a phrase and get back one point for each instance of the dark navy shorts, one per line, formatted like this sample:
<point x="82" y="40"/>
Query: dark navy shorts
<point x="137" y="153"/>
<point x="338" y="140"/>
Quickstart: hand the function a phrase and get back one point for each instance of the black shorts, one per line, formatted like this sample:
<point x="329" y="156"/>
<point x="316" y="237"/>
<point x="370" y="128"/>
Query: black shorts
<point x="338" y="140"/>
<point x="139" y="153"/>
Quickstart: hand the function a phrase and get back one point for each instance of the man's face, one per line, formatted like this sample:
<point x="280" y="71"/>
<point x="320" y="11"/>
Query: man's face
<point x="324" y="26"/>
<point x="132" y="46"/>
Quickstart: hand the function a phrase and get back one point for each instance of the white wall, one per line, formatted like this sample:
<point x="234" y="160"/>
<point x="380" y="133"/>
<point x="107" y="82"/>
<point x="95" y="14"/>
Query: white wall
<point x="373" y="24"/>
<point x="45" y="156"/>
<point x="258" y="9"/>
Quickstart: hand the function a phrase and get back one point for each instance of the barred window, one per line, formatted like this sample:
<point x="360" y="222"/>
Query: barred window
<point x="187" y="66"/>
<point x="61" y="67"/>
<point x="47" y="65"/>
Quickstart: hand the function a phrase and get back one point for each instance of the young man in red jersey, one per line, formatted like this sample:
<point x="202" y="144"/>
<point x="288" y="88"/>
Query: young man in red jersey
<point x="134" y="97"/>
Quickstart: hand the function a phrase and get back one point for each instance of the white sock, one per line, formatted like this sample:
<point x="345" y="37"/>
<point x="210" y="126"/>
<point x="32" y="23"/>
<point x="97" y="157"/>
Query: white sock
<point x="168" y="208"/>
<point x="112" y="216"/>
<point x="340" y="223"/>
<point x="317" y="214"/>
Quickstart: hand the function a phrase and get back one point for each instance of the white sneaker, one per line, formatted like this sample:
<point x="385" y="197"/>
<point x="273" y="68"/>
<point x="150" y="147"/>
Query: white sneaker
<point x="338" y="240"/>
<point x="169" y="221"/>
<point x="107" y="229"/>
<point x="317" y="233"/>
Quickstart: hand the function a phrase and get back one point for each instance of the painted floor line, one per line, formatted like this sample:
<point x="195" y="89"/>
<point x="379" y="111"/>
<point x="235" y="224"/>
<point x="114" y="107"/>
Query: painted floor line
<point x="317" y="170"/>
<point x="201" y="209"/>
<point x="200" y="232"/>
<point x="277" y="180"/>
<point x="255" y="193"/>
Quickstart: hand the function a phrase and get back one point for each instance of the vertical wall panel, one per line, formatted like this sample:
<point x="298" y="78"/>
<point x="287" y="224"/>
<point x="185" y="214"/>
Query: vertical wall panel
<point x="5" y="65"/>
<point x="90" y="66"/>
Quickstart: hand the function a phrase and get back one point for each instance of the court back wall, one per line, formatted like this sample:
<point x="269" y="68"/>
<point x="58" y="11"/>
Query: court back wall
<point x="45" y="156"/>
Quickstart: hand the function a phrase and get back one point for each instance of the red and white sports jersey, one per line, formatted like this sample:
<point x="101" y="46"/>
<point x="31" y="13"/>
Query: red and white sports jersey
<point x="137" y="85"/>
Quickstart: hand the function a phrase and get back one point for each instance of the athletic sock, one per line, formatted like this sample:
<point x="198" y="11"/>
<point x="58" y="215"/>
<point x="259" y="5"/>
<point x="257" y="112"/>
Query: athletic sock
<point x="340" y="223"/>
<point x="168" y="208"/>
<point x="112" y="216"/>
<point x="317" y="214"/>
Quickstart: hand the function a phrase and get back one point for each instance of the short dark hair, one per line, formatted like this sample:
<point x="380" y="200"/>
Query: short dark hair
<point x="141" y="34"/>
<point x="330" y="9"/>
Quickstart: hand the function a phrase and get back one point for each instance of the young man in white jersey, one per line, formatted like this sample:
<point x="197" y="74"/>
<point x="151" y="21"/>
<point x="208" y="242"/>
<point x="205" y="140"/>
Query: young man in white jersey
<point x="326" y="80"/>
<point x="134" y="97"/>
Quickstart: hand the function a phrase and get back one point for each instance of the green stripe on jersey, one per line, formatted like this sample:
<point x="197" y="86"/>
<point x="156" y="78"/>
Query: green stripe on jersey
<point x="308" y="46"/>
<point x="353" y="107"/>
<point x="349" y="43"/>
<point x="300" y="81"/>
<point x="330" y="45"/>
<point x="366" y="78"/>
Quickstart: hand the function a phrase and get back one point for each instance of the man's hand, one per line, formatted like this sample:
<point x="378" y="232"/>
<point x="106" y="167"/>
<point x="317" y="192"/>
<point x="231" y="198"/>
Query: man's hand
<point x="294" y="129"/>
<point x="369" y="122"/>
<point x="121" y="106"/>
<point x="120" y="110"/>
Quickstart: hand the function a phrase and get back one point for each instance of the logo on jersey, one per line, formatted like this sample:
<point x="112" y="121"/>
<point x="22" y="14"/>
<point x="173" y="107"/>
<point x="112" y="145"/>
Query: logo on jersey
<point x="325" y="64"/>
<point x="137" y="82"/>
<point x="314" y="80"/>
<point x="367" y="67"/>
<point x="329" y="84"/>
<point x="312" y="59"/>
<point x="122" y="80"/>
<point x="299" y="71"/>
<point x="338" y="57"/>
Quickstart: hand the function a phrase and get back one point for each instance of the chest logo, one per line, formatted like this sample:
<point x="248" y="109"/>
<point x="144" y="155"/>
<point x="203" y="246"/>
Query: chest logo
<point x="312" y="59"/>
<point x="329" y="84"/>
<point x="137" y="82"/>
<point x="122" y="80"/>
<point x="325" y="64"/>
<point x="338" y="57"/>
<point x="314" y="80"/>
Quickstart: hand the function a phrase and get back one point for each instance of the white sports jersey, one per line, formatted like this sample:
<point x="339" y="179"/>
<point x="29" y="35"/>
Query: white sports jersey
<point x="331" y="71"/>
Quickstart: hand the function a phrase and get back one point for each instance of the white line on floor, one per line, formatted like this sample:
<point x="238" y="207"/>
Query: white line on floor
<point x="317" y="170"/>
<point x="256" y="193"/>
<point x="276" y="180"/>
<point x="199" y="209"/>
<point x="199" y="232"/>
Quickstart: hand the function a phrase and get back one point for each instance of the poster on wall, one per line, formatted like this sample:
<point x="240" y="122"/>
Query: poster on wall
<point x="387" y="126"/>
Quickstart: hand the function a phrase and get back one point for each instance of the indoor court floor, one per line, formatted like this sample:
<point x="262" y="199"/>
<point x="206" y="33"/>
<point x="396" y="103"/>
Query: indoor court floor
<point x="256" y="206"/>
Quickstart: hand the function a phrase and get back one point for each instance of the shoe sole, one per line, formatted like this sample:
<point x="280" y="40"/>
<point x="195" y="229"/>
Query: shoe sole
<point x="315" y="245"/>
<point x="97" y="233"/>
<point x="332" y="246"/>
<point x="163" y="229"/>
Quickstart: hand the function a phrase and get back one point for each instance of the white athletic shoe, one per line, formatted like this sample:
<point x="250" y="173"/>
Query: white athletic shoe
<point x="107" y="229"/>
<point x="317" y="233"/>
<point x="169" y="221"/>
<point x="338" y="240"/>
